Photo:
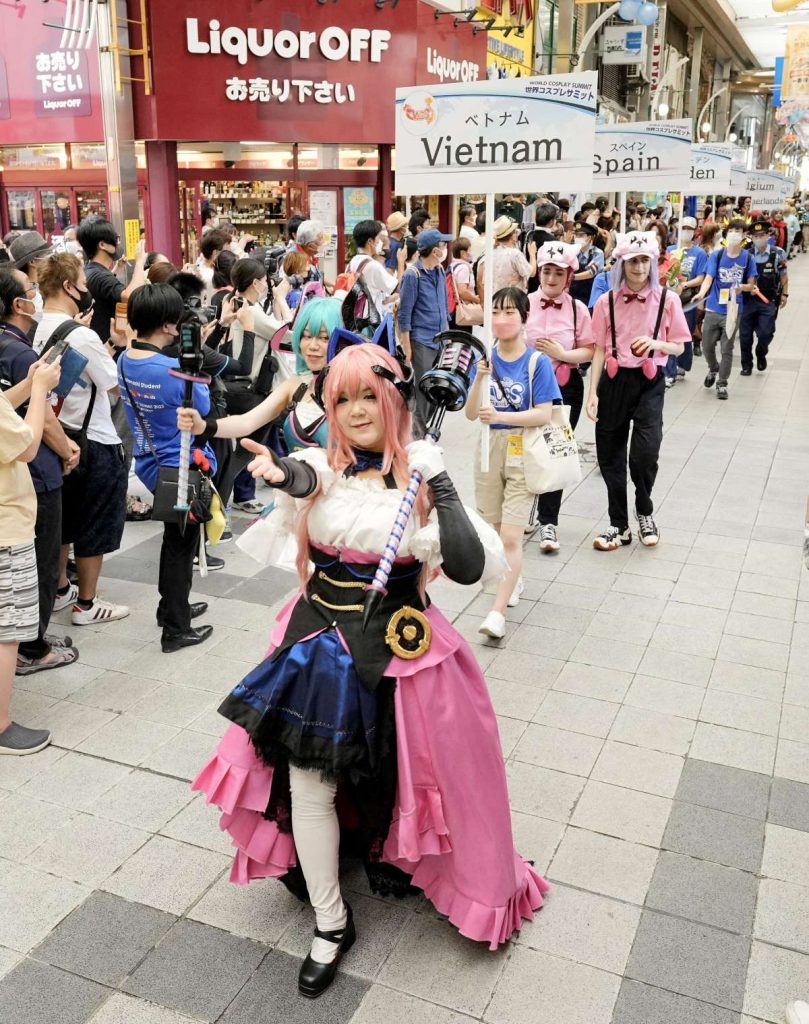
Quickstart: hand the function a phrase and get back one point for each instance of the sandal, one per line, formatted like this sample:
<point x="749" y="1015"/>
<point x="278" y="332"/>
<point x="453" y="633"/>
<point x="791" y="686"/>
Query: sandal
<point x="56" y="658"/>
<point x="137" y="510"/>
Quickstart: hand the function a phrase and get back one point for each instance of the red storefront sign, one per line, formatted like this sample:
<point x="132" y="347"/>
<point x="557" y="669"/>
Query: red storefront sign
<point x="302" y="72"/>
<point x="49" y="83"/>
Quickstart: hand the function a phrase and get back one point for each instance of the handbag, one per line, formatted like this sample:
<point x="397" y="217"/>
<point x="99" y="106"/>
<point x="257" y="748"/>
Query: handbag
<point x="467" y="314"/>
<point x="550" y="453"/>
<point x="165" y="490"/>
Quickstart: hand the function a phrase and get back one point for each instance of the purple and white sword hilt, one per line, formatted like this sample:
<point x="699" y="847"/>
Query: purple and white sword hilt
<point x="385" y="567"/>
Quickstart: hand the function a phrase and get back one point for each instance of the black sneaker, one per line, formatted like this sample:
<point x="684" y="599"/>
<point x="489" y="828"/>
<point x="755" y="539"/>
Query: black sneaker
<point x="213" y="562"/>
<point x="761" y="363"/>
<point x="18" y="740"/>
<point x="647" y="530"/>
<point x="722" y="391"/>
<point x="747" y="371"/>
<point x="612" y="538"/>
<point x="697" y="349"/>
<point x="710" y="379"/>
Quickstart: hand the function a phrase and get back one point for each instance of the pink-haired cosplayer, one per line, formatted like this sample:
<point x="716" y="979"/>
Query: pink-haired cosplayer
<point x="387" y="735"/>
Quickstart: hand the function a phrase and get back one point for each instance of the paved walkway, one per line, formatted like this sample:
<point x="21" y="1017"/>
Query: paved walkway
<point x="654" y="711"/>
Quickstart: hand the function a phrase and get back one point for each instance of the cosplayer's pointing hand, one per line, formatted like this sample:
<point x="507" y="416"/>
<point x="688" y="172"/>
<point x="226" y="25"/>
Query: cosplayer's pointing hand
<point x="190" y="419"/>
<point x="265" y="464"/>
<point x="426" y="458"/>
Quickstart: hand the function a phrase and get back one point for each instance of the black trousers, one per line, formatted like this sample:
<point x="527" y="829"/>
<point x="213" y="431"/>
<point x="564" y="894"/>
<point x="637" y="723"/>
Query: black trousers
<point x="47" y="544"/>
<point x="572" y="395"/>
<point x="176" y="572"/>
<point x="757" y="319"/>
<point x="629" y="400"/>
<point x="423" y="359"/>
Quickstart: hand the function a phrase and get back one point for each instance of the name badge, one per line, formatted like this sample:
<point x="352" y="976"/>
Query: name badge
<point x="724" y="296"/>
<point x="515" y="450"/>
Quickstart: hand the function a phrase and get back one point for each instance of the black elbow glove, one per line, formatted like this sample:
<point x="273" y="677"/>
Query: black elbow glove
<point x="461" y="548"/>
<point x="300" y="479"/>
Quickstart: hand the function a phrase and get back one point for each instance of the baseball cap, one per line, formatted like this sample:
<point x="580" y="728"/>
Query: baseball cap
<point x="688" y="222"/>
<point x="430" y="238"/>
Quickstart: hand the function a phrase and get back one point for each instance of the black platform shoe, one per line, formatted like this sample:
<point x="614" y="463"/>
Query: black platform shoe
<point x="315" y="978"/>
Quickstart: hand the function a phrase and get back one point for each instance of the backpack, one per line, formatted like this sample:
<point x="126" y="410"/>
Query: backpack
<point x="346" y="281"/>
<point x="358" y="311"/>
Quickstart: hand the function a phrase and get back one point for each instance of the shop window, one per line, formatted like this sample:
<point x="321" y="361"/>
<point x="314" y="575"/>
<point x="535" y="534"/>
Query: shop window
<point x="333" y="157"/>
<point x="22" y="211"/>
<point x="265" y="156"/>
<point x="258" y="208"/>
<point x="88" y="155"/>
<point x="55" y="212"/>
<point x="91" y="202"/>
<point x="33" y="158"/>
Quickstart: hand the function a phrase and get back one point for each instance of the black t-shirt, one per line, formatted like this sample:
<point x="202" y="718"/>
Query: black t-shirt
<point x="106" y="289"/>
<point x="15" y="359"/>
<point x="540" y="236"/>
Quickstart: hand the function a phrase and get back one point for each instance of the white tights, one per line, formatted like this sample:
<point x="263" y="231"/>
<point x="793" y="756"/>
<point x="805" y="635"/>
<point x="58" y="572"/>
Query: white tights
<point x="317" y="840"/>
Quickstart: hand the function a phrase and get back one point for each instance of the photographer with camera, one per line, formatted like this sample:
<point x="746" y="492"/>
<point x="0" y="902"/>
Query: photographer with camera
<point x="151" y="397"/>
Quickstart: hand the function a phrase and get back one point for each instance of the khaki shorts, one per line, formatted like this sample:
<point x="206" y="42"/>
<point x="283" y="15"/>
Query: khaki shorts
<point x="501" y="495"/>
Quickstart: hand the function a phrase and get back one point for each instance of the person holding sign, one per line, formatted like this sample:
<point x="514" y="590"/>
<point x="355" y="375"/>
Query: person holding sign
<point x="559" y="326"/>
<point x="636" y="327"/>
<point x="730" y="271"/>
<point x="522" y="389"/>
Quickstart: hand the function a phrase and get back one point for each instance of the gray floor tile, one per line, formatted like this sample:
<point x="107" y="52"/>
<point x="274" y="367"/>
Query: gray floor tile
<point x="261" y="911"/>
<point x="123" y="1009"/>
<point x="704" y="892"/>
<point x="196" y="969"/>
<point x="715" y="836"/>
<point x="105" y="938"/>
<point x="782" y="914"/>
<point x="383" y="1005"/>
<point x="774" y="978"/>
<point x="645" y="1004"/>
<point x="691" y="959"/>
<point x="35" y="993"/>
<point x="271" y="996"/>
<point x="789" y="804"/>
<point x="725" y="789"/>
<point x="32" y="903"/>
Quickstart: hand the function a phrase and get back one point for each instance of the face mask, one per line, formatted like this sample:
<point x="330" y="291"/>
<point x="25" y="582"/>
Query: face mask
<point x="32" y="315"/>
<point x="38" y="302"/>
<point x="379" y="248"/>
<point x="73" y="248"/>
<point x="84" y="301"/>
<point x="760" y="242"/>
<point x="441" y="253"/>
<point x="261" y="293"/>
<point x="117" y="253"/>
<point x="734" y="237"/>
<point x="687" y="234"/>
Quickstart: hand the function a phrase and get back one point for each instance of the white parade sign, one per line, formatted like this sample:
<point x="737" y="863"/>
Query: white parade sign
<point x="738" y="177"/>
<point x="767" y="188"/>
<point x="505" y="135"/>
<point x="711" y="166"/>
<point x="645" y="156"/>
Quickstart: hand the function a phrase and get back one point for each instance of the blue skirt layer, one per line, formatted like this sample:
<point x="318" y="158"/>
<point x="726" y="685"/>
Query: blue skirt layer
<point x="308" y="703"/>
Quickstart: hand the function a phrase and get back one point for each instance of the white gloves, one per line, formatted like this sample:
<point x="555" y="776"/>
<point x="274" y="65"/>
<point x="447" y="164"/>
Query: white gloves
<point x="426" y="458"/>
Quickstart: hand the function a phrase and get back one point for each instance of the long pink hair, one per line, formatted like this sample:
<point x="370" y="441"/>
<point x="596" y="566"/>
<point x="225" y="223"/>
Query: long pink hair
<point x="351" y="373"/>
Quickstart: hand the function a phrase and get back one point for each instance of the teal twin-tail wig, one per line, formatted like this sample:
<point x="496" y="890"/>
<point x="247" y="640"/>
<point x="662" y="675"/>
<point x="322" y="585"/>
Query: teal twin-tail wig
<point x="316" y="315"/>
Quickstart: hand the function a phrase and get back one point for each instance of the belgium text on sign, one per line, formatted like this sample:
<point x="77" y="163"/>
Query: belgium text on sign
<point x="513" y="134"/>
<point x="643" y="155"/>
<point x="711" y="164"/>
<point x="767" y="188"/>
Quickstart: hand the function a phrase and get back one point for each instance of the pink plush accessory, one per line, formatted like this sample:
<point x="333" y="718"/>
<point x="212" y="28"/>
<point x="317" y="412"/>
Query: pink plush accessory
<point x="560" y="254"/>
<point x="636" y="243"/>
<point x="612" y="366"/>
<point x="649" y="368"/>
<point x="562" y="374"/>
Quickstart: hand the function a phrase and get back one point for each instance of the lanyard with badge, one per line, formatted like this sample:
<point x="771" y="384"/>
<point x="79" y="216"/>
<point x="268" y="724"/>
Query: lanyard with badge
<point x="514" y="453"/>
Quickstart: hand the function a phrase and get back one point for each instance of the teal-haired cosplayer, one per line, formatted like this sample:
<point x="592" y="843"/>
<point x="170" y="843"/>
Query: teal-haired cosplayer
<point x="317" y="314"/>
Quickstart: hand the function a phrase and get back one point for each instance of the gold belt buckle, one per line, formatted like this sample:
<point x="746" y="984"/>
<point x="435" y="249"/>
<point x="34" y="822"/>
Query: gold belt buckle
<point x="408" y="633"/>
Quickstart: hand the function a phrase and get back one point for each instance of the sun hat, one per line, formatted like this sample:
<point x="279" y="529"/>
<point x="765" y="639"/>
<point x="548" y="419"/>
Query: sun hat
<point x="504" y="227"/>
<point x="396" y="221"/>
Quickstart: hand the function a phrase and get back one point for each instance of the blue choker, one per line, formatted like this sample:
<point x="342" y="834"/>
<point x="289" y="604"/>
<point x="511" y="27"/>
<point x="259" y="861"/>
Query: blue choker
<point x="366" y="460"/>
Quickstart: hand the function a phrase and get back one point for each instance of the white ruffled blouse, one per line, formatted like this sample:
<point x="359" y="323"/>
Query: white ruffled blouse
<point x="355" y="513"/>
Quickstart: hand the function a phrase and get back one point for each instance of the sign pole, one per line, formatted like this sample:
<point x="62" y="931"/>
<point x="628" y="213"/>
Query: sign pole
<point x="488" y="286"/>
<point x="623" y="212"/>
<point x="680" y="221"/>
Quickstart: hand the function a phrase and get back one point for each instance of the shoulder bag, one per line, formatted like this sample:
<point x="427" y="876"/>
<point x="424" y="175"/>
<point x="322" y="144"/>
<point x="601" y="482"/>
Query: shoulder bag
<point x="550" y="454"/>
<point x="165" y="492"/>
<point x="467" y="314"/>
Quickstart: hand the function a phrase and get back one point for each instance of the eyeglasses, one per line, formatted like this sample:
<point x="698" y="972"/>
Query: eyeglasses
<point x="30" y="288"/>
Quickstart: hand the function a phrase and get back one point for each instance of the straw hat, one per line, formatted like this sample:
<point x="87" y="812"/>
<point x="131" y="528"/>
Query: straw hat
<point x="396" y="221"/>
<point x="504" y="227"/>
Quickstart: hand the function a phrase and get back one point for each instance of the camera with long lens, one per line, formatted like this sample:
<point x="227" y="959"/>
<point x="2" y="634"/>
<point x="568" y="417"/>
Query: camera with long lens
<point x="190" y="328"/>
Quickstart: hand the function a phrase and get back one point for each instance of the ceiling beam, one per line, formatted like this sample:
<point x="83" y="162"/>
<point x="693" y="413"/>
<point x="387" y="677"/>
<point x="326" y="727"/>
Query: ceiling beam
<point x="722" y="36"/>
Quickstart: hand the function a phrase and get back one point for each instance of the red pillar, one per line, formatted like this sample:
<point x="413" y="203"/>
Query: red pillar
<point x="164" y="200"/>
<point x="384" y="192"/>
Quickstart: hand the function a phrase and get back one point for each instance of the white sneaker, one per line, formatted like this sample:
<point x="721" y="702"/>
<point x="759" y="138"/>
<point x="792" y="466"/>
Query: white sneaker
<point x="494" y="625"/>
<point x="254" y="507"/>
<point x="516" y="593"/>
<point x="66" y="600"/>
<point x="548" y="541"/>
<point x="99" y="611"/>
<point x="797" y="1013"/>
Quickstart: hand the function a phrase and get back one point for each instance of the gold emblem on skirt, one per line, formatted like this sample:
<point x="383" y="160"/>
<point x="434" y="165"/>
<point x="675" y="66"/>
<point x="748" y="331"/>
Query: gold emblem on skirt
<point x="408" y="633"/>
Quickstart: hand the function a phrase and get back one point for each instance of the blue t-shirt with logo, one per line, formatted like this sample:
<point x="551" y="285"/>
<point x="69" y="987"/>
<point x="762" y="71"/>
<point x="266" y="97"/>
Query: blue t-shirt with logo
<point x="158" y="396"/>
<point x="514" y="377"/>
<point x="694" y="263"/>
<point x="728" y="272"/>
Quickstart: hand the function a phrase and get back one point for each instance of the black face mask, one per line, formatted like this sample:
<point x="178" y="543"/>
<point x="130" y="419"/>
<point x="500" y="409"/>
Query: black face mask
<point x="118" y="251"/>
<point x="84" y="301"/>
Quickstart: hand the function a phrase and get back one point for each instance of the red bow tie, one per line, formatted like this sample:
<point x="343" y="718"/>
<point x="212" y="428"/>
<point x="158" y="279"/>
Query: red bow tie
<point x="634" y="295"/>
<point x="550" y="302"/>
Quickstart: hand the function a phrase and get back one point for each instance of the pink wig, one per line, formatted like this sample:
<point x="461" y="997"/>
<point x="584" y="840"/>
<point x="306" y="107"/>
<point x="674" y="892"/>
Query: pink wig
<point x="351" y="373"/>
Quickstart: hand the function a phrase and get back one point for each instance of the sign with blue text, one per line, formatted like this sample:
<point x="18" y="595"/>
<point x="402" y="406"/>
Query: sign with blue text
<point x="505" y="135"/>
<point x="643" y="155"/>
<point x="711" y="164"/>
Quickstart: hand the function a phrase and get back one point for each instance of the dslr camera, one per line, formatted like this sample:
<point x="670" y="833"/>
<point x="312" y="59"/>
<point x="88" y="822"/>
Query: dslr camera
<point x="190" y="327"/>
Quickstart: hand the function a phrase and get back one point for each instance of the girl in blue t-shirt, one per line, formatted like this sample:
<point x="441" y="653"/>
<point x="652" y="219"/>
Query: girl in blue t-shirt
<point x="522" y="389"/>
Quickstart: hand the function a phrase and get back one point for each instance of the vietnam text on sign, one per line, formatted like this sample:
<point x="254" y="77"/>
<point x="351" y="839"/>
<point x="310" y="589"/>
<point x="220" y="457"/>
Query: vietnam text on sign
<point x="643" y="155"/>
<point x="711" y="165"/>
<point x="506" y="135"/>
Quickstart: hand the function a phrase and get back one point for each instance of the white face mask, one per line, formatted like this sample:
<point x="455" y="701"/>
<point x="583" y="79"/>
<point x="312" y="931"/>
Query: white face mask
<point x="687" y="234"/>
<point x="73" y="248"/>
<point x="734" y="238"/>
<point x="760" y="241"/>
<point x="38" y="304"/>
<point x="379" y="248"/>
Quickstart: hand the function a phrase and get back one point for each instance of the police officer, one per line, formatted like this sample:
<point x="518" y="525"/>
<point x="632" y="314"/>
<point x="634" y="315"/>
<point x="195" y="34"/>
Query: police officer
<point x="760" y="309"/>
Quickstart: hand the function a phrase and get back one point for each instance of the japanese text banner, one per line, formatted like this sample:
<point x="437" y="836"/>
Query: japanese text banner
<point x="643" y="156"/>
<point x="520" y="135"/>
<point x="711" y="164"/>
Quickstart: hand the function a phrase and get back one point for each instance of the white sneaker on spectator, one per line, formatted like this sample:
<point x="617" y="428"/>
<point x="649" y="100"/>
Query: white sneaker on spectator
<point x="797" y="1013"/>
<point x="67" y="599"/>
<point x="494" y="625"/>
<point x="254" y="507"/>
<point x="99" y="611"/>
<point x="516" y="593"/>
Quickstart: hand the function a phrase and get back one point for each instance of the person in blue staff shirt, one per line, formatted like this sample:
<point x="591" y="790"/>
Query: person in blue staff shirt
<point x="591" y="262"/>
<point x="693" y="264"/>
<point x="760" y="309"/>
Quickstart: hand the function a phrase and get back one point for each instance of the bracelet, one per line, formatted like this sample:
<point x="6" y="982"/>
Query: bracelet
<point x="211" y="423"/>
